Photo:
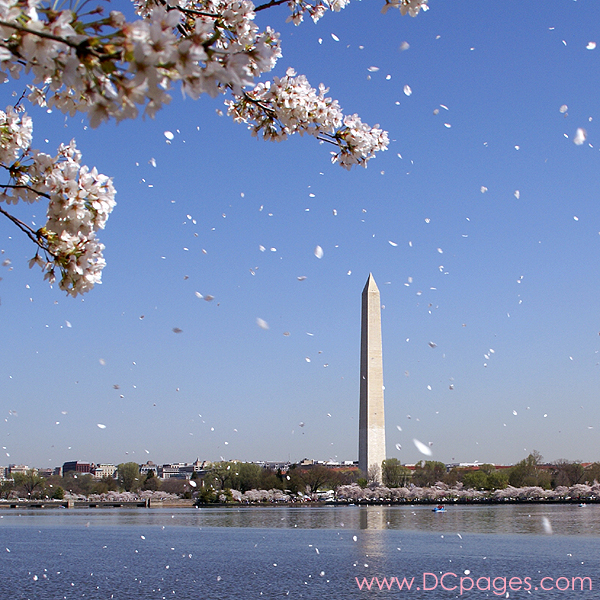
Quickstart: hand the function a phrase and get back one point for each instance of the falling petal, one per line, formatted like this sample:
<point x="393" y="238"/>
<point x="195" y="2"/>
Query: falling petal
<point x="319" y="252"/>
<point x="422" y="448"/>
<point x="335" y="37"/>
<point x="101" y="426"/>
<point x="407" y="90"/>
<point x="169" y="135"/>
<point x="404" y="46"/>
<point x="546" y="525"/>
<point x="392" y="243"/>
<point x="591" y="46"/>
<point x="580" y="136"/>
<point x="261" y="323"/>
<point x="373" y="69"/>
<point x="563" y="109"/>
<point x="398" y="447"/>
<point x="432" y="345"/>
<point x="177" y="330"/>
<point x="301" y="278"/>
<point x="517" y="194"/>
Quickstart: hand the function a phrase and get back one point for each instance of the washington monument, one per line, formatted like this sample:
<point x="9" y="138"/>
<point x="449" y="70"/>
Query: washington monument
<point x="371" y="429"/>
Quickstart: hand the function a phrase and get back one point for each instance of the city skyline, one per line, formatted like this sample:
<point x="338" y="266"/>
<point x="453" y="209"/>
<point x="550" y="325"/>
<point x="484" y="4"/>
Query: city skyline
<point x="300" y="461"/>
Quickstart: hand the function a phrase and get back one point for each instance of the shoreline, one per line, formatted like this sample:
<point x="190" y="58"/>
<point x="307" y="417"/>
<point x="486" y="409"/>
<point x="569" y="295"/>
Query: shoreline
<point x="190" y="503"/>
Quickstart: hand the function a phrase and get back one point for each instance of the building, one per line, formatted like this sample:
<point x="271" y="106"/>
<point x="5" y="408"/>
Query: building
<point x="175" y="471"/>
<point x="12" y="469"/>
<point x="371" y="429"/>
<point x="150" y="466"/>
<point x="104" y="470"/>
<point x="198" y="466"/>
<point x="77" y="467"/>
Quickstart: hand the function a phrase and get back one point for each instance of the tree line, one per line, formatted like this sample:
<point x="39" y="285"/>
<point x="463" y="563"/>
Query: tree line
<point x="225" y="476"/>
<point x="33" y="486"/>
<point x="529" y="472"/>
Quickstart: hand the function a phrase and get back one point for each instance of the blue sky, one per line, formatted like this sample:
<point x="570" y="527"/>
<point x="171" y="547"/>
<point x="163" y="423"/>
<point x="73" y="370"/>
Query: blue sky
<point x="478" y="274"/>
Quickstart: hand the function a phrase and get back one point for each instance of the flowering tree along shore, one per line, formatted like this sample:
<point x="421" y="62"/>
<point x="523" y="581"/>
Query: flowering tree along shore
<point x="85" y="61"/>
<point x="528" y="480"/>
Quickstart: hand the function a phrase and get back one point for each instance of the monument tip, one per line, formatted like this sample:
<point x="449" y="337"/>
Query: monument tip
<point x="371" y="285"/>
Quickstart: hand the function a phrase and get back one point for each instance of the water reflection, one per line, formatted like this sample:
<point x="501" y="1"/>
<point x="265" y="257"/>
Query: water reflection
<point x="373" y="517"/>
<point x="535" y="519"/>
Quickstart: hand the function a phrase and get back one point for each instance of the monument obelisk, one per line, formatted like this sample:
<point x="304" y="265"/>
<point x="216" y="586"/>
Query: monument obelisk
<point x="371" y="429"/>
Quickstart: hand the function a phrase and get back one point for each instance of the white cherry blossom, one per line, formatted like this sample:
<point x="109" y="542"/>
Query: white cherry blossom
<point x="82" y="61"/>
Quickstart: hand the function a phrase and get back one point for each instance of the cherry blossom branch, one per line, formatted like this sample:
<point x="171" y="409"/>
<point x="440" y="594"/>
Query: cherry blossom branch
<point x="28" y="231"/>
<point x="42" y="34"/>
<point x="270" y="4"/>
<point x="110" y="68"/>
<point x="23" y="187"/>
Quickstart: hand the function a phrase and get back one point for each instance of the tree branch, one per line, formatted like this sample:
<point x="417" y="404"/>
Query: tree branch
<point x="41" y="34"/>
<point x="24" y="187"/>
<point x="28" y="231"/>
<point x="270" y="4"/>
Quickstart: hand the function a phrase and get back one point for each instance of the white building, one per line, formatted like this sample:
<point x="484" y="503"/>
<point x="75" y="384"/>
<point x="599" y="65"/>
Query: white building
<point x="104" y="470"/>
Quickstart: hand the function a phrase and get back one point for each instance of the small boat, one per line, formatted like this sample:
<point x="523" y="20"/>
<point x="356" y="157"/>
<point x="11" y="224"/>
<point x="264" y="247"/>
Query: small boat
<point x="439" y="508"/>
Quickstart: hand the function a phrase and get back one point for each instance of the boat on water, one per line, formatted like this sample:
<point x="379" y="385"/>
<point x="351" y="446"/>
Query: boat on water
<point x="439" y="508"/>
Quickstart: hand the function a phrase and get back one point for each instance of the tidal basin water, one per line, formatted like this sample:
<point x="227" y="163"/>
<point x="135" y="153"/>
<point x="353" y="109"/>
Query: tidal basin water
<point x="301" y="552"/>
